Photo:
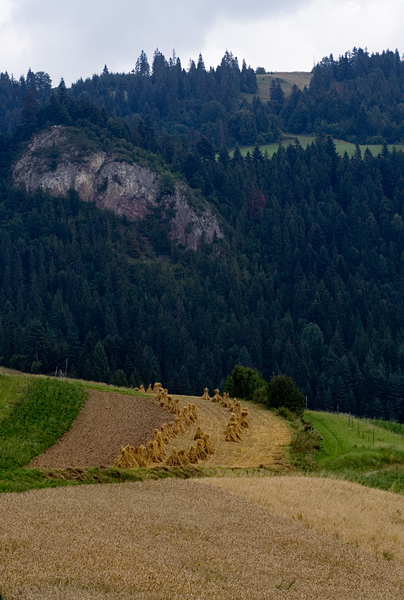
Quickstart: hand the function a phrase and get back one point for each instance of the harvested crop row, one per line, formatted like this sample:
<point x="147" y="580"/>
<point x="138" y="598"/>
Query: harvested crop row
<point x="262" y="443"/>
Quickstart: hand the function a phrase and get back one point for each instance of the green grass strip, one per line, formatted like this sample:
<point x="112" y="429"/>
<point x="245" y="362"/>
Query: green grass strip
<point x="22" y="480"/>
<point x="37" y="421"/>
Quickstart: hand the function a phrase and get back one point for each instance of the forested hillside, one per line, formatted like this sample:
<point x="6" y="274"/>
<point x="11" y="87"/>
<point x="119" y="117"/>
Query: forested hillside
<point x="358" y="98"/>
<point x="307" y="280"/>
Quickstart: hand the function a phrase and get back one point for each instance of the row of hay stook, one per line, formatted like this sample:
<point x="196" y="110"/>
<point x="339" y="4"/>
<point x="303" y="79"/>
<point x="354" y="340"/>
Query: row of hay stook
<point x="239" y="418"/>
<point x="133" y="457"/>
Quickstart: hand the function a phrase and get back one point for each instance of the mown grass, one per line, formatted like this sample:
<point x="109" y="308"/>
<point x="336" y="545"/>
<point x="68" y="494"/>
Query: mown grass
<point x="287" y="80"/>
<point x="12" y="388"/>
<point x="359" y="450"/>
<point x="305" y="140"/>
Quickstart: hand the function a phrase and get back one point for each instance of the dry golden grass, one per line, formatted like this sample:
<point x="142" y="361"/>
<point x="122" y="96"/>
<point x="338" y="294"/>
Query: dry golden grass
<point x="174" y="540"/>
<point x="288" y="80"/>
<point x="262" y="443"/>
<point x="369" y="518"/>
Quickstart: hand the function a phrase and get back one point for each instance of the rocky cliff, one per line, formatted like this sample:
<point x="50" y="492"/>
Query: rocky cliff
<point x="54" y="163"/>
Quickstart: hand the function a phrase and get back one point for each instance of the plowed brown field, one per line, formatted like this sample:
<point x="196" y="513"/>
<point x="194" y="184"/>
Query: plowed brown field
<point x="107" y="422"/>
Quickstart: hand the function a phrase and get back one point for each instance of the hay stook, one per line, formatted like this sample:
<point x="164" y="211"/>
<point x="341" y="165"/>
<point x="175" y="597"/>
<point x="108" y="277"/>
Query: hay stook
<point x="126" y="458"/>
<point x="245" y="419"/>
<point x="217" y="397"/>
<point x="192" y="457"/>
<point x="200" y="450"/>
<point x="233" y="429"/>
<point x="141" y="456"/>
<point x="173" y="460"/>
<point x="206" y="394"/>
<point x="199" y="434"/>
<point x="208" y="444"/>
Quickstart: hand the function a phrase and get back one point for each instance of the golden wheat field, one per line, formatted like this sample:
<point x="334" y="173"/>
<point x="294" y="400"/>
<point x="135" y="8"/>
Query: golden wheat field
<point x="175" y="540"/>
<point x="368" y="518"/>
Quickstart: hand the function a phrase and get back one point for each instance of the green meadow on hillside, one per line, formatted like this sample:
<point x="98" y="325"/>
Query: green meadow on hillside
<point x="305" y="140"/>
<point x="34" y="413"/>
<point x="359" y="450"/>
<point x="12" y="388"/>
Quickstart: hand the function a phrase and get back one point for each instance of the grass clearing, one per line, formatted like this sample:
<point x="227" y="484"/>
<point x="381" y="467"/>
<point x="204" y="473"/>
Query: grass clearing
<point x="287" y="80"/>
<point x="305" y="140"/>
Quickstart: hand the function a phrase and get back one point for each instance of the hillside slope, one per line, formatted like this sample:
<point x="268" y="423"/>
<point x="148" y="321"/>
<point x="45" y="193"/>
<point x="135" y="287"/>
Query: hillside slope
<point x="55" y="161"/>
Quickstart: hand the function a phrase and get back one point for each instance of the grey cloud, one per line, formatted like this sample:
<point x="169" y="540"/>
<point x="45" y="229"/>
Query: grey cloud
<point x="76" y="38"/>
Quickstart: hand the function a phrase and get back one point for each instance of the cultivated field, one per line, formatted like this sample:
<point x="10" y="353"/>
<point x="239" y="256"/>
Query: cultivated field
<point x="110" y="421"/>
<point x="175" y="540"/>
<point x="107" y="422"/>
<point x="370" y="519"/>
<point x="248" y="534"/>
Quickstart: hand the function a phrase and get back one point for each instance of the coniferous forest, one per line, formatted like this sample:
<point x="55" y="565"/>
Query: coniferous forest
<point x="307" y="280"/>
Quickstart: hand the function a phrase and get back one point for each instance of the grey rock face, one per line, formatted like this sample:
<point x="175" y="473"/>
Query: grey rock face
<point x="53" y="164"/>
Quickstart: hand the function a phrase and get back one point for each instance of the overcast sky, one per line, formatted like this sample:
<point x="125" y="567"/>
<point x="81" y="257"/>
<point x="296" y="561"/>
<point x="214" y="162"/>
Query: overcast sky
<point x="76" y="38"/>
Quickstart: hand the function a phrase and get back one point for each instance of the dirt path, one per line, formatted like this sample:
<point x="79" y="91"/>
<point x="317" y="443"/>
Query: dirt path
<point x="175" y="540"/>
<point x="107" y="422"/>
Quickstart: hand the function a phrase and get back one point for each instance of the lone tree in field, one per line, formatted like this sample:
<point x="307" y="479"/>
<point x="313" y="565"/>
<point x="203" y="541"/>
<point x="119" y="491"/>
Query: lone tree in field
<point x="244" y="382"/>
<point x="282" y="391"/>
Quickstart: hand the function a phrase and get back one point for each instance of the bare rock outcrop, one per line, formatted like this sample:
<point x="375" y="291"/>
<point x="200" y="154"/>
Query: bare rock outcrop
<point x="54" y="163"/>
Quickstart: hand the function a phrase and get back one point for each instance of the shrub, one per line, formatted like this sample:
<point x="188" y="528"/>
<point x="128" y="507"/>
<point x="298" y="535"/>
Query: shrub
<point x="247" y="383"/>
<point x="287" y="414"/>
<point x="282" y="391"/>
<point x="306" y="441"/>
<point x="261" y="394"/>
